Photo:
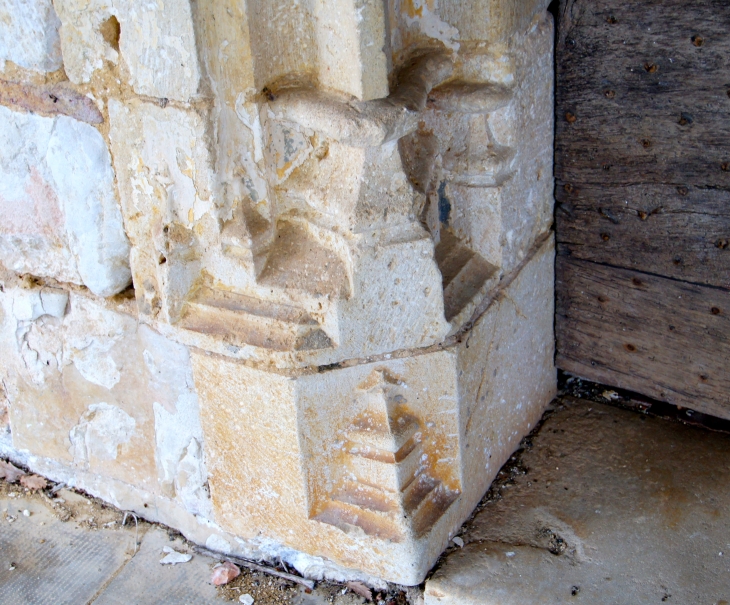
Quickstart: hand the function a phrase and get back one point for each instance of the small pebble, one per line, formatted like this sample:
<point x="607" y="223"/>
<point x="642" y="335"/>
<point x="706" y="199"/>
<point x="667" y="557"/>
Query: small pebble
<point x="26" y="513"/>
<point x="458" y="541"/>
<point x="224" y="573"/>
<point x="246" y="599"/>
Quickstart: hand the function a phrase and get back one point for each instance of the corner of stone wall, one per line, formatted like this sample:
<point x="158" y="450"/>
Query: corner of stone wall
<point x="244" y="294"/>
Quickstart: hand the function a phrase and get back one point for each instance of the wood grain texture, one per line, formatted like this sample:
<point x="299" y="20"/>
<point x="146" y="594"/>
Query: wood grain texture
<point x="643" y="197"/>
<point x="660" y="337"/>
<point x="642" y="92"/>
<point x="679" y="232"/>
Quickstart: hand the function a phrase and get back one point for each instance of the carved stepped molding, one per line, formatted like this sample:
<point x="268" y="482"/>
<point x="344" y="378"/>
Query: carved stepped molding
<point x="387" y="489"/>
<point x="464" y="272"/>
<point x="242" y="320"/>
<point x="455" y="146"/>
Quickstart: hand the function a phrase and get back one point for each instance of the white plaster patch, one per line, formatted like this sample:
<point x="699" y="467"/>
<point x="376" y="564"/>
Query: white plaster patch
<point x="286" y="148"/>
<point x="59" y="216"/>
<point x="95" y="365"/>
<point x="90" y="336"/>
<point x="191" y="479"/>
<point x="180" y="458"/>
<point x="29" y="35"/>
<point x="248" y="114"/>
<point x="218" y="544"/>
<point x="422" y="14"/>
<point x="100" y="432"/>
<point x="29" y="305"/>
<point x="178" y="435"/>
<point x="31" y="331"/>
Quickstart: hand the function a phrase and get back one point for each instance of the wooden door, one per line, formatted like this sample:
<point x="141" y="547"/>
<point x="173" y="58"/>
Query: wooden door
<point x="643" y="197"/>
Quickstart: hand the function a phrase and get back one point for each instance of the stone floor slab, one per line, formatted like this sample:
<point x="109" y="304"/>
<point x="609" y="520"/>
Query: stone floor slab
<point x="144" y="581"/>
<point x="606" y="507"/>
<point x="43" y="560"/>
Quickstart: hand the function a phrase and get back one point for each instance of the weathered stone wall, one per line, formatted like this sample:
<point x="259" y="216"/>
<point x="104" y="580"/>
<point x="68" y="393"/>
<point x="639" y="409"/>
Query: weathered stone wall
<point x="277" y="274"/>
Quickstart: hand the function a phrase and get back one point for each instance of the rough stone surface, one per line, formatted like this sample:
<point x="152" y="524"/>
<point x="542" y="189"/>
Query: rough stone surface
<point x="45" y="560"/>
<point x="59" y="216"/>
<point x="165" y="186"/>
<point x="90" y="388"/>
<point x="650" y="526"/>
<point x="29" y="35"/>
<point x="155" y="41"/>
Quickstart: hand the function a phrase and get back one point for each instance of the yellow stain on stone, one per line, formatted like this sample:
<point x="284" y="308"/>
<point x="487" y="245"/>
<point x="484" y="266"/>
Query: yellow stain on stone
<point x="409" y="8"/>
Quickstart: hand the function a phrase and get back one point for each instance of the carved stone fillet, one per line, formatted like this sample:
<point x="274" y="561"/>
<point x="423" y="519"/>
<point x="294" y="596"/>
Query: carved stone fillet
<point x="366" y="123"/>
<point x="479" y="149"/>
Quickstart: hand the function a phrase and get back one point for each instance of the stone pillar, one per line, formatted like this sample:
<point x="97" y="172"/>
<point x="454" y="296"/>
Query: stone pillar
<point x="336" y="217"/>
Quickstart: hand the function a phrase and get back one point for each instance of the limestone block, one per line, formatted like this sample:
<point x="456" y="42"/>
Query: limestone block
<point x="397" y="300"/>
<point x="352" y="241"/>
<point x="527" y="209"/>
<point x="311" y="288"/>
<point x="353" y="465"/>
<point x="350" y="37"/>
<point x="164" y="169"/>
<point x="482" y="156"/>
<point x="90" y="388"/>
<point x="506" y="369"/>
<point x="373" y="465"/>
<point x="29" y="35"/>
<point x="59" y="216"/>
<point x="155" y="41"/>
<point x="336" y="43"/>
<point x="415" y="23"/>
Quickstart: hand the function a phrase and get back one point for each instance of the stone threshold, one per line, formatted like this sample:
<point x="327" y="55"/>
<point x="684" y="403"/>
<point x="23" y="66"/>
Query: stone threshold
<point x="600" y="505"/>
